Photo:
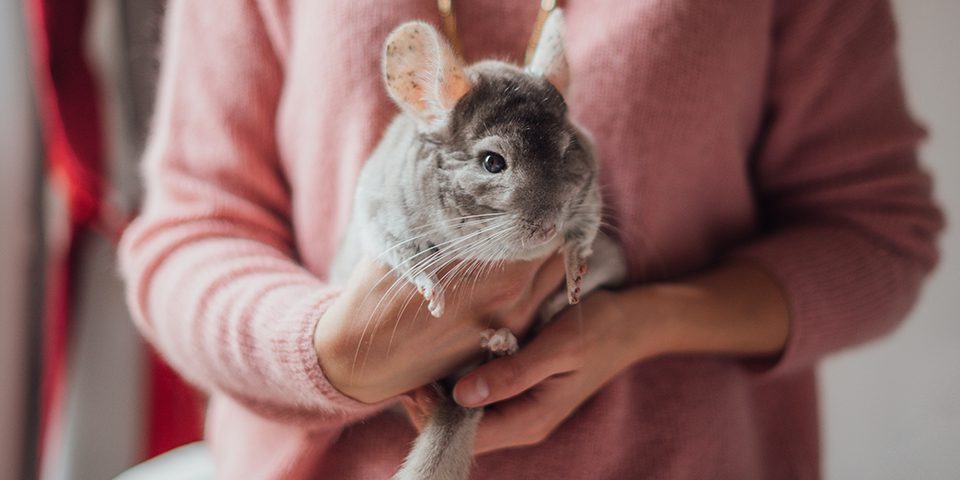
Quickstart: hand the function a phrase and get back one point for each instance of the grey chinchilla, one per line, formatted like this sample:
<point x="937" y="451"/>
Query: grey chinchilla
<point x="482" y="165"/>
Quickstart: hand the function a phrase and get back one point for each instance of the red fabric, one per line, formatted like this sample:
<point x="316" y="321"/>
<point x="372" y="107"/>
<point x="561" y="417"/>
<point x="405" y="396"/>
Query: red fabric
<point x="69" y="112"/>
<point x="69" y="108"/>
<point x="175" y="411"/>
<point x="69" y="104"/>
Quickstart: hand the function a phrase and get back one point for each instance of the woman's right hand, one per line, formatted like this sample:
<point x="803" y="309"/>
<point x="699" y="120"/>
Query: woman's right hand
<point x="374" y="344"/>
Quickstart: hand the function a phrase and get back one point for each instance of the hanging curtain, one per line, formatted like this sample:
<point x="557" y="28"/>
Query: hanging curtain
<point x="75" y="138"/>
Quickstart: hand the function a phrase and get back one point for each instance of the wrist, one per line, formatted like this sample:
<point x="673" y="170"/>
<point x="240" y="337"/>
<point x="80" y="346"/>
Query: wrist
<point x="652" y="317"/>
<point x="733" y="309"/>
<point x="335" y="357"/>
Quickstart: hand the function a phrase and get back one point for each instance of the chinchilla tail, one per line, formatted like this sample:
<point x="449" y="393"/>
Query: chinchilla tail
<point x="444" y="449"/>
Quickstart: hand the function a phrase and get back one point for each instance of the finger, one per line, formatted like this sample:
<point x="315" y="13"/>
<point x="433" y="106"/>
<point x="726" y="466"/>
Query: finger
<point x="550" y="353"/>
<point x="526" y="420"/>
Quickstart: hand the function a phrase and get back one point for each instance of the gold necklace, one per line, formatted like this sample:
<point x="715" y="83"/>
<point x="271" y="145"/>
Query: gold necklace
<point x="448" y="20"/>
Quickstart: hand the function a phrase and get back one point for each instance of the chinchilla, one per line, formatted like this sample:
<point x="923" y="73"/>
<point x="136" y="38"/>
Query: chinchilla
<point x="481" y="165"/>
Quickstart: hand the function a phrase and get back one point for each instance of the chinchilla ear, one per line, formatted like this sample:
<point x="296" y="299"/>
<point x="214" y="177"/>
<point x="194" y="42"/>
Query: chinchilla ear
<point x="550" y="59"/>
<point x="422" y="73"/>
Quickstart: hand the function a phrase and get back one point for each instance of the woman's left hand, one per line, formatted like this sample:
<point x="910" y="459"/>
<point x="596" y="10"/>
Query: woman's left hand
<point x="734" y="309"/>
<point x="565" y="363"/>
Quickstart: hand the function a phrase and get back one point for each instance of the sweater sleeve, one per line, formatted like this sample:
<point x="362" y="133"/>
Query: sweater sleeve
<point x="850" y="226"/>
<point x="211" y="269"/>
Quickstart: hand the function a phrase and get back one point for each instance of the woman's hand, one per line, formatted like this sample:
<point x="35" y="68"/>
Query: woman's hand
<point x="375" y="342"/>
<point x="734" y="309"/>
<point x="546" y="380"/>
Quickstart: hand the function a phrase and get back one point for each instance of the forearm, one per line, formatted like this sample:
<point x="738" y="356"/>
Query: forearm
<point x="734" y="309"/>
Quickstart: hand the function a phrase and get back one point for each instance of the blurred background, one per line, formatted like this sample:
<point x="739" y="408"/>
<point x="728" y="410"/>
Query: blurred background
<point x="81" y="397"/>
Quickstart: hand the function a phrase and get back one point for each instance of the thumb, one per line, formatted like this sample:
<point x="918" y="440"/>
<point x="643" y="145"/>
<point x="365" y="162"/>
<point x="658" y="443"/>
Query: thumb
<point x="507" y="377"/>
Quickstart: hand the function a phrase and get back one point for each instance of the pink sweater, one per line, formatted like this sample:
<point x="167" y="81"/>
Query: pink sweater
<point x="771" y="131"/>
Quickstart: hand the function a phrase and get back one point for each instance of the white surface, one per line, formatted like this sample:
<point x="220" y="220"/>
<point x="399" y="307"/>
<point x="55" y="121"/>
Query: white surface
<point x="892" y="409"/>
<point x="189" y="462"/>
<point x="103" y="431"/>
<point x="17" y="156"/>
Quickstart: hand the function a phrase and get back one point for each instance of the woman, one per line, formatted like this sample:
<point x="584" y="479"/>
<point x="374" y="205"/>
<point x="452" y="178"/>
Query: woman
<point x="759" y="162"/>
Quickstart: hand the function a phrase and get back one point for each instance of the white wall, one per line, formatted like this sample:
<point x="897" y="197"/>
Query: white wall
<point x="892" y="409"/>
<point x="17" y="163"/>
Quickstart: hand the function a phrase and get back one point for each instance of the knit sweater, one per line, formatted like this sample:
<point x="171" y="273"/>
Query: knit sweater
<point x="771" y="132"/>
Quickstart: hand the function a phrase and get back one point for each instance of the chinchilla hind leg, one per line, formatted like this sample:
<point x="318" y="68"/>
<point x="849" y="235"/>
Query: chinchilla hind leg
<point x="444" y="449"/>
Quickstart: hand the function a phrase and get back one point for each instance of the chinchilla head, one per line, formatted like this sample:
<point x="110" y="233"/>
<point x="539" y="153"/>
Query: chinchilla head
<point x="498" y="134"/>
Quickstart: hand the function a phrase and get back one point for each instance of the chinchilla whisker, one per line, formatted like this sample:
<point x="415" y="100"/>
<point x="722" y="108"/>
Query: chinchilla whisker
<point x="378" y="315"/>
<point x="374" y="316"/>
<point x="447" y="281"/>
<point x="592" y="209"/>
<point x="463" y="271"/>
<point x="428" y="253"/>
<point x="602" y="188"/>
<point x="456" y="222"/>
<point x="609" y="226"/>
<point x="465" y="217"/>
<point x="449" y="251"/>
<point x="488" y="243"/>
<point x="460" y="239"/>
<point x="485" y="243"/>
<point x="396" y="287"/>
<point x="423" y="264"/>
<point x="436" y="227"/>
<point x="491" y="252"/>
<point x="476" y="260"/>
<point x="469" y="272"/>
<point x="396" y="323"/>
<point x="469" y="256"/>
<point x="466" y="255"/>
<point x="592" y="205"/>
<point x="446" y="256"/>
<point x="453" y="278"/>
<point x="481" y="265"/>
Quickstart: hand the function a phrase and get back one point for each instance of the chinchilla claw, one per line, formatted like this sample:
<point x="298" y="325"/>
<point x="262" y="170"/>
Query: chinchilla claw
<point x="436" y="306"/>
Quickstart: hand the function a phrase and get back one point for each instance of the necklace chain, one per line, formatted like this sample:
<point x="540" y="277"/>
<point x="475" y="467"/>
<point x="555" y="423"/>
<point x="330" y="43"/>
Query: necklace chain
<point x="448" y="21"/>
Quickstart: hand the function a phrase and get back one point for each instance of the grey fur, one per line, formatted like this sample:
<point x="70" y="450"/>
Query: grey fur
<point x="428" y="171"/>
<point x="416" y="178"/>
<point x="443" y="449"/>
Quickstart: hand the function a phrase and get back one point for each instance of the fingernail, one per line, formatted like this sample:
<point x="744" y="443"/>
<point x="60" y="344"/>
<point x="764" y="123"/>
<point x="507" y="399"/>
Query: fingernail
<point x="476" y="394"/>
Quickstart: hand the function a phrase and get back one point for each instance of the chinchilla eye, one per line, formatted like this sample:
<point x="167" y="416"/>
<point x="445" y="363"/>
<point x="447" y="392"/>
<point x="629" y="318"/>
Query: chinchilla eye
<point x="493" y="162"/>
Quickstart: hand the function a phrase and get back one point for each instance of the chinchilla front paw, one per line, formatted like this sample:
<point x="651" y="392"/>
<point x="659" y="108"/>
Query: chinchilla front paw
<point x="429" y="287"/>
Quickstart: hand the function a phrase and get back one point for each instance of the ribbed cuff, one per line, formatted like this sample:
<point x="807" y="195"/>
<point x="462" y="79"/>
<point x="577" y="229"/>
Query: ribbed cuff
<point x="297" y="354"/>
